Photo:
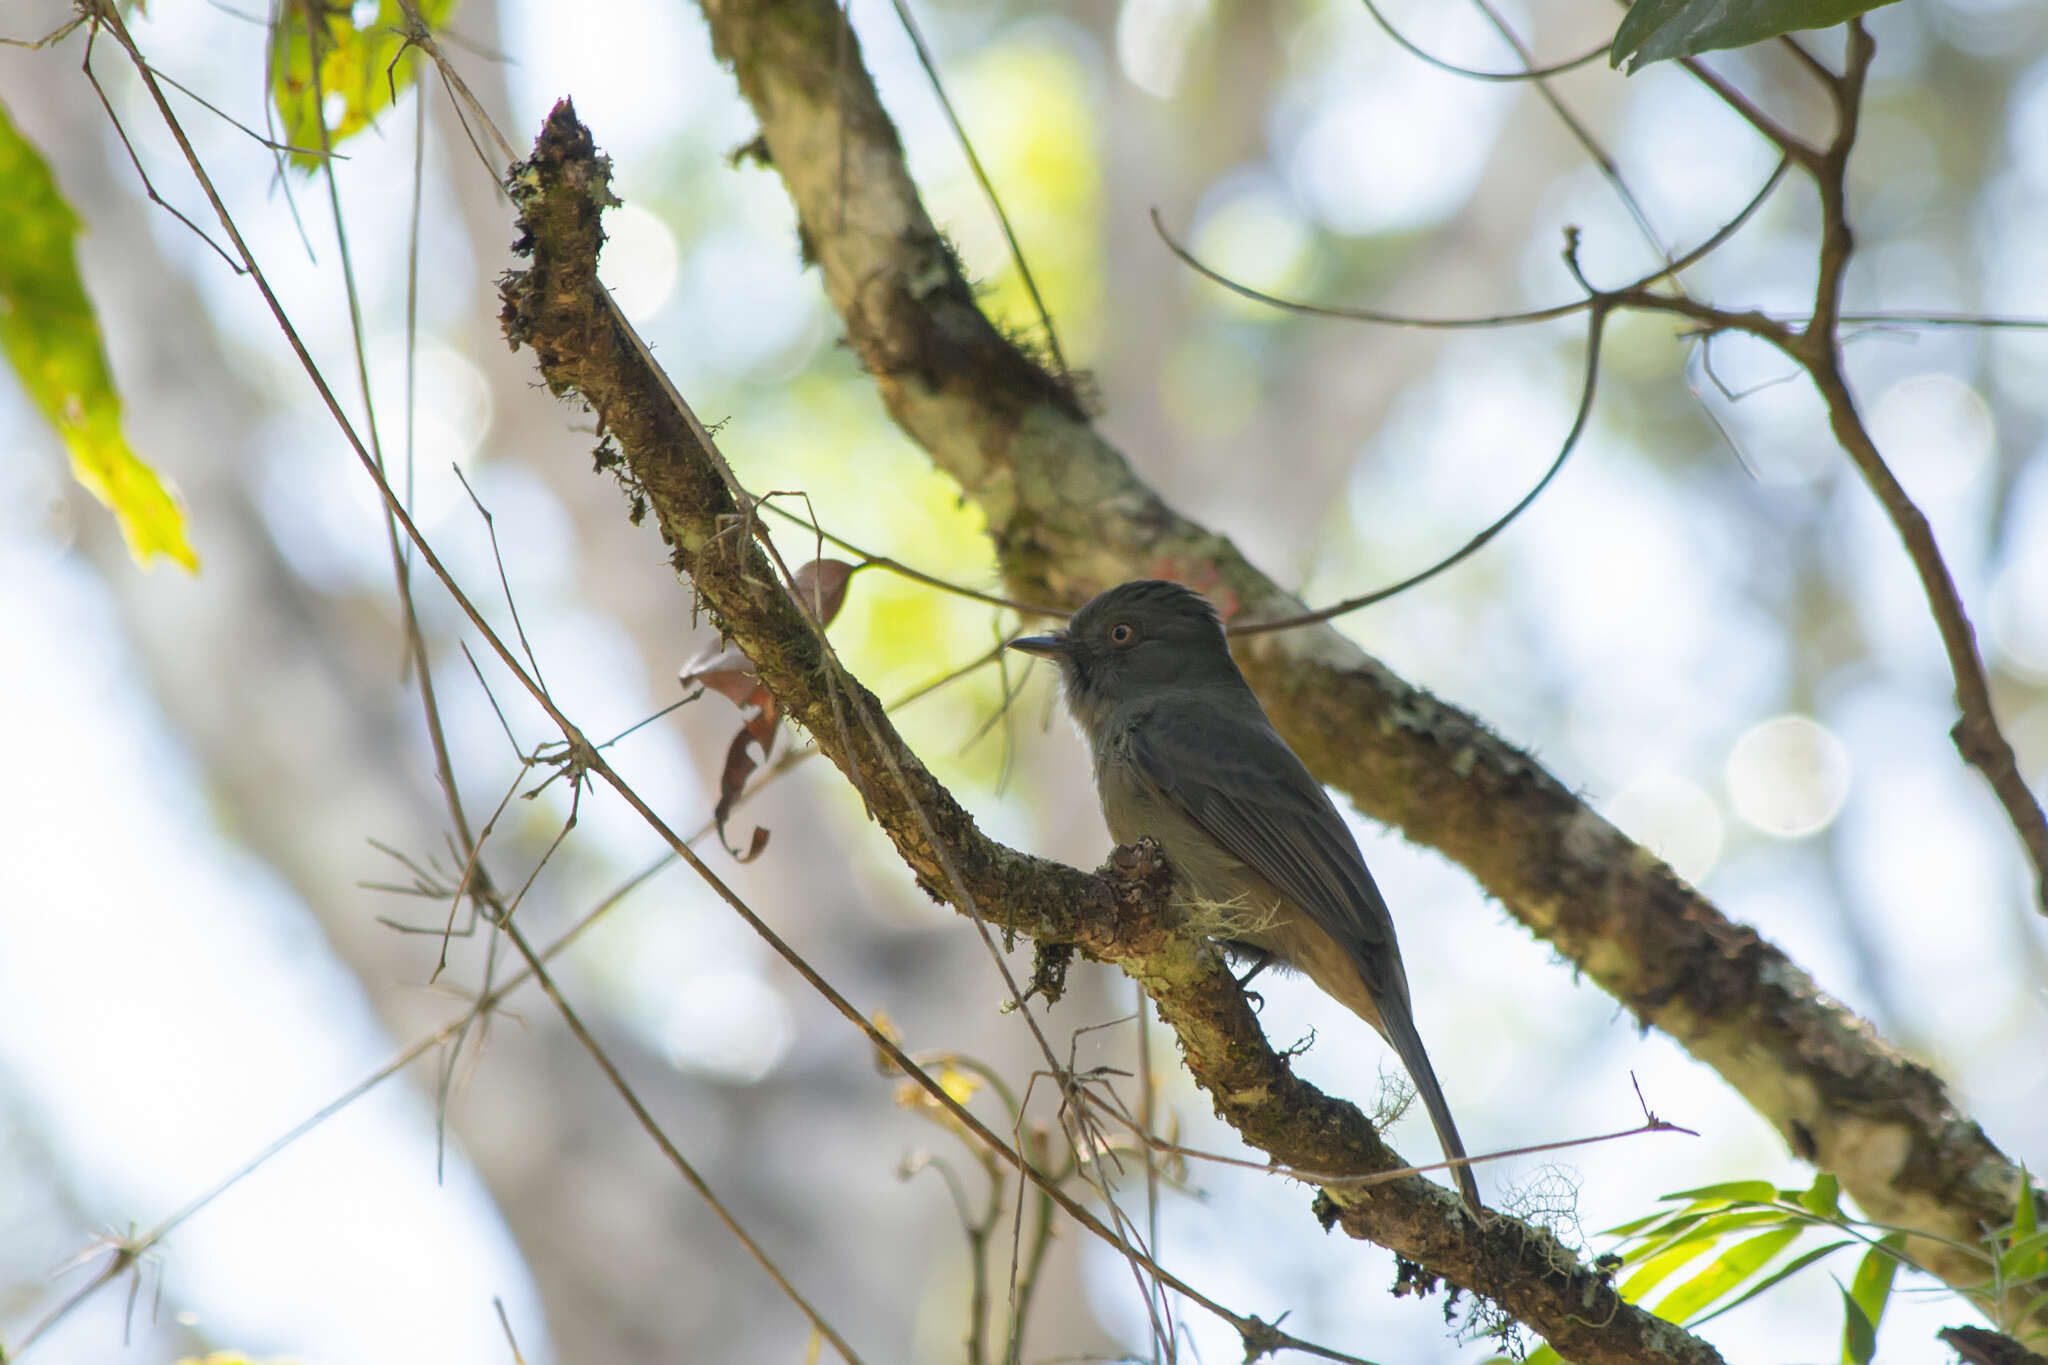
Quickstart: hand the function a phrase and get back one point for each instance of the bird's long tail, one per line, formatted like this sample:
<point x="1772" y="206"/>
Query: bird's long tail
<point x="1399" y="1027"/>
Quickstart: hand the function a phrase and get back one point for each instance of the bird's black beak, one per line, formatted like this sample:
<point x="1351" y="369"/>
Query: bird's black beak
<point x="1045" y="646"/>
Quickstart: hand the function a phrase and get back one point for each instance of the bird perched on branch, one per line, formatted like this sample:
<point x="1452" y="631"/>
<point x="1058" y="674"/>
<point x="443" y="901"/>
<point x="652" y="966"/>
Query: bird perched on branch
<point x="1184" y="753"/>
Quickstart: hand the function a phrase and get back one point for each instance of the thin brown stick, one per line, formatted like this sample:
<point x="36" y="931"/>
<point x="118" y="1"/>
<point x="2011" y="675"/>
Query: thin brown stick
<point x="902" y="570"/>
<point x="988" y="188"/>
<point x="1528" y="73"/>
<point x="1596" y="323"/>
<point x="1555" y="311"/>
<point x="1603" y="161"/>
<point x="128" y="1250"/>
<point x="1977" y="735"/>
<point x="652" y="1127"/>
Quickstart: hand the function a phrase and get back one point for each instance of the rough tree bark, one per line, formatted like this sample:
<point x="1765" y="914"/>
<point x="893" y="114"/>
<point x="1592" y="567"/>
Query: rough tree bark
<point x="1068" y="517"/>
<point x="558" y="309"/>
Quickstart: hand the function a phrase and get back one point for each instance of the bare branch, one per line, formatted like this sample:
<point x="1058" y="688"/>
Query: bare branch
<point x="1596" y="319"/>
<point x="1069" y="517"/>
<point x="1555" y="311"/>
<point x="1528" y="73"/>
<point x="557" y="308"/>
<point x="1976" y="734"/>
<point x="988" y="188"/>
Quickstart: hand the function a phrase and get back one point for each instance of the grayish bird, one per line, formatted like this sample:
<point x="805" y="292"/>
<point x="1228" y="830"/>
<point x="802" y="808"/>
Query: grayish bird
<point x="1184" y="753"/>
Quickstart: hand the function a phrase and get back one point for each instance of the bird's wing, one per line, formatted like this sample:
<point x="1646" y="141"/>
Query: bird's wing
<point x="1240" y="784"/>
<point x="1243" y="787"/>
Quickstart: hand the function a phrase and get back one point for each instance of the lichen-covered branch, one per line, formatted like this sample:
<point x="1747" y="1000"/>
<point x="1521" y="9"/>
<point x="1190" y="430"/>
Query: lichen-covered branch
<point x="1069" y="517"/>
<point x="557" y="308"/>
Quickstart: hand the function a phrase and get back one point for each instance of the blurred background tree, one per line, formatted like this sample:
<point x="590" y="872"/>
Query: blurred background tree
<point x="1705" y="626"/>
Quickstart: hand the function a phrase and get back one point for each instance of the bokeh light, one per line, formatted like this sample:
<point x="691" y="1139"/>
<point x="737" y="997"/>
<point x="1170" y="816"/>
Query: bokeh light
<point x="1788" y="776"/>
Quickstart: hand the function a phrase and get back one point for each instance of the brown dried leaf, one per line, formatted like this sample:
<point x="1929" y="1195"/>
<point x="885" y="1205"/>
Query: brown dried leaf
<point x="730" y="673"/>
<point x="821" y="586"/>
<point x="739" y="766"/>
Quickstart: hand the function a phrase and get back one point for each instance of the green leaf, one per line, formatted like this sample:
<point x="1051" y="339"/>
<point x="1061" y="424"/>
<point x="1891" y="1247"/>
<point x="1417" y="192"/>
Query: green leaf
<point x="1658" y="30"/>
<point x="1872" y="1284"/>
<point x="1636" y="1225"/>
<point x="1658" y="1267"/>
<point x="1728" y="1270"/>
<point x="1735" y="1191"/>
<point x="2025" y="1259"/>
<point x="2024" y="1223"/>
<point x="1824" y="1198"/>
<point x="1656" y="1235"/>
<point x="1655" y="1261"/>
<point x="1790" y="1269"/>
<point x="1859" y="1333"/>
<point x="1718" y="1225"/>
<point x="1545" y="1354"/>
<point x="50" y="336"/>
<point x="361" y="70"/>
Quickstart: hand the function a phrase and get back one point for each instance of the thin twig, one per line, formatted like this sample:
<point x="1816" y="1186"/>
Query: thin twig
<point x="661" y="1139"/>
<point x="1596" y="323"/>
<point x="130" y="1249"/>
<point x="1609" y="168"/>
<point x="1528" y="73"/>
<point x="1977" y="735"/>
<point x="1562" y="310"/>
<point x="988" y="188"/>
<point x="902" y="570"/>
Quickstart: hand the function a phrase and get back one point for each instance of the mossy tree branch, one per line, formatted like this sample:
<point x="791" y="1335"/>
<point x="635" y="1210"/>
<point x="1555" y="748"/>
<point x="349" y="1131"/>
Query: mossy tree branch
<point x="558" y="308"/>
<point x="1069" y="517"/>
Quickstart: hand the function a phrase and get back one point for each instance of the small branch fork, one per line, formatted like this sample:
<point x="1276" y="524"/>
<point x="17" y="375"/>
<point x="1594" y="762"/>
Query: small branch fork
<point x="1813" y="343"/>
<point x="1815" y="346"/>
<point x="584" y="349"/>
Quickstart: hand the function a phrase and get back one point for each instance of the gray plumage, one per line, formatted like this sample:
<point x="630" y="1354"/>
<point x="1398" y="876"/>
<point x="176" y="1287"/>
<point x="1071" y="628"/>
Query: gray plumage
<point x="1184" y="753"/>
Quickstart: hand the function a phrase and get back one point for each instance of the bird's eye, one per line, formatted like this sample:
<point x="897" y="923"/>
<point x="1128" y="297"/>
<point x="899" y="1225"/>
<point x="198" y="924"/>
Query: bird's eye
<point x="1121" y="633"/>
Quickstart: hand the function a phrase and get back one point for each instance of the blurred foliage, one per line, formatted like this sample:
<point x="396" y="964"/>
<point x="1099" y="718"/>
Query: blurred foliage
<point x="1050" y="174"/>
<point x="1660" y="30"/>
<point x="360" y="68"/>
<point x="1751" y="1222"/>
<point x="52" y="338"/>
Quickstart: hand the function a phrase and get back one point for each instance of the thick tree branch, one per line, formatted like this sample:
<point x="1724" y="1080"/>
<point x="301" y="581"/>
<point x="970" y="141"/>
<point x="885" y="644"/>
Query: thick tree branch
<point x="1069" y="517"/>
<point x="558" y="308"/>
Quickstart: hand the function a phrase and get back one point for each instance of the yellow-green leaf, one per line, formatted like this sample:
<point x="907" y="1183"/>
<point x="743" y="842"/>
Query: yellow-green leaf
<point x="1824" y="1198"/>
<point x="2025" y="1258"/>
<point x="1706" y="1228"/>
<point x="1871" y="1286"/>
<point x="361" y="71"/>
<point x="1658" y="1268"/>
<point x="1729" y="1269"/>
<point x="1735" y="1191"/>
<point x="1770" y="1281"/>
<point x="50" y="336"/>
<point x="1859" y="1333"/>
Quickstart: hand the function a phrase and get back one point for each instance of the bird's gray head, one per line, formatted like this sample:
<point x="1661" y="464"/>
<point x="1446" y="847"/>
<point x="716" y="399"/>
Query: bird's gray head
<point x="1135" y="639"/>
